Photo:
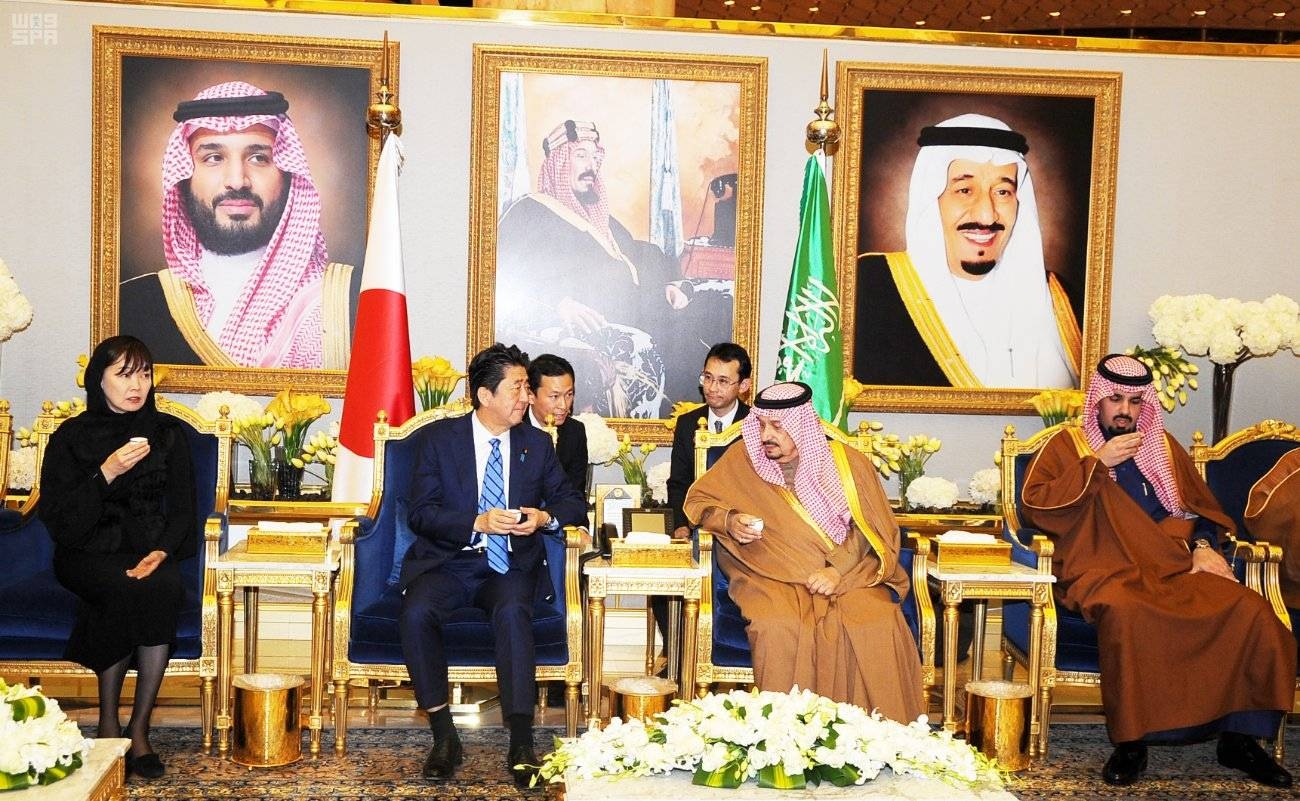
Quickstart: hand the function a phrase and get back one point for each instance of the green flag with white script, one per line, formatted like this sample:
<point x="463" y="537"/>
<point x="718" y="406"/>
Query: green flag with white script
<point x="812" y="347"/>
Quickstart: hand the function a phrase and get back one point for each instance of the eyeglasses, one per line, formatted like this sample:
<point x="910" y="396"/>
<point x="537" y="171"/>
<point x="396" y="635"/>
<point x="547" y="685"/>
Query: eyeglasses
<point x="717" y="381"/>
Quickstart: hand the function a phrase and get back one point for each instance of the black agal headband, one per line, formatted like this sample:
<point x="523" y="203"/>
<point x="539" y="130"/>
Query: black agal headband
<point x="938" y="135"/>
<point x="269" y="104"/>
<point x="1119" y="378"/>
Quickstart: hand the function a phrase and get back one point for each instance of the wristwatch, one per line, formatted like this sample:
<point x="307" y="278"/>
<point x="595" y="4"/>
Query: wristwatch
<point x="1202" y="543"/>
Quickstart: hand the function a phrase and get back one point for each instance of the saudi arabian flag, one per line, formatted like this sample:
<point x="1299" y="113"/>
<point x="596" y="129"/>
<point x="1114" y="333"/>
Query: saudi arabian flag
<point x="812" y="347"/>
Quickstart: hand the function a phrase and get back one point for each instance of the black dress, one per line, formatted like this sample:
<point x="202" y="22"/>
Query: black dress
<point x="101" y="530"/>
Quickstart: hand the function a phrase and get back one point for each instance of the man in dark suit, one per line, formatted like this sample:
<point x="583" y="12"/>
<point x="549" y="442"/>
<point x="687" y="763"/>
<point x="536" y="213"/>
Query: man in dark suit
<point x="485" y="491"/>
<point x="551" y="380"/>
<point x="725" y="377"/>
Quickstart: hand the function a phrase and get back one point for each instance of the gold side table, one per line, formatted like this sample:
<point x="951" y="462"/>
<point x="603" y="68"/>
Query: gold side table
<point x="1013" y="582"/>
<point x="681" y="584"/>
<point x="237" y="568"/>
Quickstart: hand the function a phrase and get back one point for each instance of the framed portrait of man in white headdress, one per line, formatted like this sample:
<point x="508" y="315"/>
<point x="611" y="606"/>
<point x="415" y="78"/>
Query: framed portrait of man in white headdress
<point x="975" y="209"/>
<point x="615" y="218"/>
<point x="228" y="229"/>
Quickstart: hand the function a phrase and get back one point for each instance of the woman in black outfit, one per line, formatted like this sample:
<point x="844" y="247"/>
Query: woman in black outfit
<point x="117" y="495"/>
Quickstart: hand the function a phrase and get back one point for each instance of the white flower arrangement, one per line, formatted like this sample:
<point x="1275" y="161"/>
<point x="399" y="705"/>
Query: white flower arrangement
<point x="602" y="441"/>
<point x="1227" y="330"/>
<point x="782" y="740"/>
<point x="38" y="744"/>
<point x="22" y="468"/>
<point x="657" y="479"/>
<point x="15" y="309"/>
<point x="985" y="486"/>
<point x="931" y="492"/>
<point x="240" y="407"/>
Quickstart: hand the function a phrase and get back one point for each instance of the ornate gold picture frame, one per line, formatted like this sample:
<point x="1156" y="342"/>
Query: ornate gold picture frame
<point x="154" y="285"/>
<point x="974" y="263"/>
<point x="632" y="263"/>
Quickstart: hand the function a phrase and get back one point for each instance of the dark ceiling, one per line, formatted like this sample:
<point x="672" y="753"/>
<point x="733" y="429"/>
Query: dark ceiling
<point x="1258" y="21"/>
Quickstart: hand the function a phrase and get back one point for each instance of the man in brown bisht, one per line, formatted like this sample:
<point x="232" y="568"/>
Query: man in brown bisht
<point x="1273" y="515"/>
<point x="810" y="546"/>
<point x="1186" y="652"/>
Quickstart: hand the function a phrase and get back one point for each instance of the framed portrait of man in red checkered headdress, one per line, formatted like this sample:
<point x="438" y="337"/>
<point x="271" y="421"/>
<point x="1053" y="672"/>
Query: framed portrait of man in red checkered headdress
<point x="616" y="218"/>
<point x="228" y="229"/>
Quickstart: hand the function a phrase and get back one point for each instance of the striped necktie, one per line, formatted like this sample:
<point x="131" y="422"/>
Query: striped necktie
<point x="494" y="496"/>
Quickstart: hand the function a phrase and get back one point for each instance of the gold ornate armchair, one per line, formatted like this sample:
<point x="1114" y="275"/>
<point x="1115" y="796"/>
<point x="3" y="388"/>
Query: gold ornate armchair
<point x="722" y="646"/>
<point x="367" y="645"/>
<point x="32" y="637"/>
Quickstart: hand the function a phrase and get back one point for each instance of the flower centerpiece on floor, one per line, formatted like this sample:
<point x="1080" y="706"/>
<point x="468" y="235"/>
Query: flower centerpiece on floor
<point x="1229" y="331"/>
<point x="38" y="744"/>
<point x="435" y="379"/>
<point x="781" y="740"/>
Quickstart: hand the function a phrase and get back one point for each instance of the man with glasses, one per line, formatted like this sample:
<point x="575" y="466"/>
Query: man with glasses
<point x="723" y="380"/>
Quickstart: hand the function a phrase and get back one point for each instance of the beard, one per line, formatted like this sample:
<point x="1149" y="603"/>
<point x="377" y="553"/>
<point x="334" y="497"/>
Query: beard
<point x="980" y="268"/>
<point x="1109" y="431"/>
<point x="237" y="237"/>
<point x="588" y="198"/>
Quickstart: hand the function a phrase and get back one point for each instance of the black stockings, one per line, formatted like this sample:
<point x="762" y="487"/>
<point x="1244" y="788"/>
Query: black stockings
<point x="151" y="664"/>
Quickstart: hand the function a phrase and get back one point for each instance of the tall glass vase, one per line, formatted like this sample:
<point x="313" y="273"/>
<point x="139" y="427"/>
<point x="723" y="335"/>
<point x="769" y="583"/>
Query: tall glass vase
<point x="1222" y="397"/>
<point x="261" y="479"/>
<point x="907" y="473"/>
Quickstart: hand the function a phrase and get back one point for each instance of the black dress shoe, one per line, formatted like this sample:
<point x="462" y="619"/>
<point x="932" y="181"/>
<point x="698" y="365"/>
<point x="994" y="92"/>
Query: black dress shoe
<point x="524" y="764"/>
<point x="148" y="766"/>
<point x="443" y="758"/>
<point x="1126" y="764"/>
<point x="1240" y="751"/>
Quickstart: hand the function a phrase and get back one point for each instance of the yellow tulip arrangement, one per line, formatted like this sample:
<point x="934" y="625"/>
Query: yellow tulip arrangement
<point x="632" y="460"/>
<point x="322" y="449"/>
<point x="1057" y="405"/>
<point x="294" y="413"/>
<point x="259" y="434"/>
<point x="435" y="379"/>
<point x="914" y="453"/>
<point x="1171" y="373"/>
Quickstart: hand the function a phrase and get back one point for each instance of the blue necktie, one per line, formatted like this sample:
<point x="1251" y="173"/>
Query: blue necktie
<point x="494" y="496"/>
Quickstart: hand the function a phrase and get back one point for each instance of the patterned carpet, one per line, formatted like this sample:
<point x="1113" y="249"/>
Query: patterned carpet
<point x="384" y="764"/>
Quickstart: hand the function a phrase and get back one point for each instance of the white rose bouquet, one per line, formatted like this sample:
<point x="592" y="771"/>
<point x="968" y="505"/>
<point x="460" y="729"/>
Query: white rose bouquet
<point x="985" y="486"/>
<point x="38" y="744"/>
<point x="15" y="309"/>
<point x="780" y="740"/>
<point x="931" y="492"/>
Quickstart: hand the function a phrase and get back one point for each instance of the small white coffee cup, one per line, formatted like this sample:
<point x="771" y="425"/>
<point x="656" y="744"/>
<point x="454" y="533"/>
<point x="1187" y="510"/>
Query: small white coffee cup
<point x="756" y="524"/>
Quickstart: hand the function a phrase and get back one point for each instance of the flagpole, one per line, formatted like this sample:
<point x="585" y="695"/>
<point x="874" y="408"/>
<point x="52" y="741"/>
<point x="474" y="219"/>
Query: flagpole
<point x="812" y="347"/>
<point x="824" y="130"/>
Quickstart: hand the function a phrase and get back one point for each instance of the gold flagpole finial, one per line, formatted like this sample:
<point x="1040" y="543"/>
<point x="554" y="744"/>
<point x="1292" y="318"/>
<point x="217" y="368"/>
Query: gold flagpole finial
<point x="383" y="117"/>
<point x="824" y="130"/>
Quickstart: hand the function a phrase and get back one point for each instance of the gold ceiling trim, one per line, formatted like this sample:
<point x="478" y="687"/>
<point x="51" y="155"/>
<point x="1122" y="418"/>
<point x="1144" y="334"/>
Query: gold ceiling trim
<point x="1020" y="41"/>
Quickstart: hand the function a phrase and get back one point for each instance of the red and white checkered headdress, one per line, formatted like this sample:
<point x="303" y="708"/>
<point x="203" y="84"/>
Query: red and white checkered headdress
<point x="295" y="255"/>
<point x="816" y="481"/>
<point x="556" y="175"/>
<point x="1118" y="374"/>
